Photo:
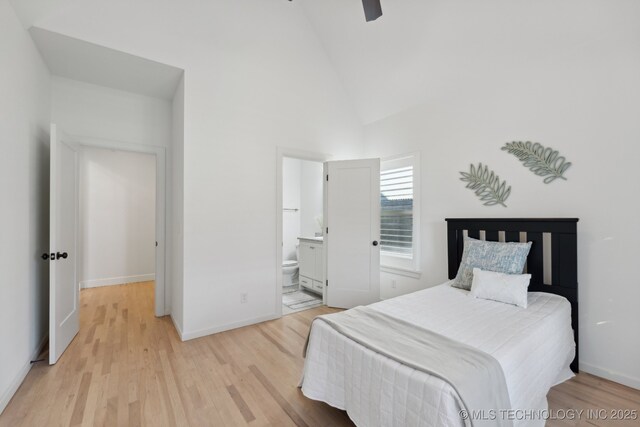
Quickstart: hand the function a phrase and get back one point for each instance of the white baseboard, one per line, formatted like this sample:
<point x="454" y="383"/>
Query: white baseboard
<point x="21" y="375"/>
<point x="94" y="283"/>
<point x="214" y="330"/>
<point x="610" y="375"/>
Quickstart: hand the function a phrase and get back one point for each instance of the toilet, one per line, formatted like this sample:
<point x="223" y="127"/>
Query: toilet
<point x="290" y="271"/>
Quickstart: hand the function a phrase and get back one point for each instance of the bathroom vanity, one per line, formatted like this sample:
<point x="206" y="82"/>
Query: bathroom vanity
<point x="311" y="264"/>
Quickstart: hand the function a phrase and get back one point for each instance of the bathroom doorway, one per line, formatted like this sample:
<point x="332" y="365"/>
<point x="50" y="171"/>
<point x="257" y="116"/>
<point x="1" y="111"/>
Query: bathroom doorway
<point x="301" y="272"/>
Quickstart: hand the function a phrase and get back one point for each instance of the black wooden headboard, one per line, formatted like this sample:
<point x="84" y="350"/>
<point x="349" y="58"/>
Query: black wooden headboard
<point x="552" y="261"/>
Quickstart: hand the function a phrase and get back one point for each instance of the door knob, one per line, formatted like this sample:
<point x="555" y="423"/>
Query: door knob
<point x="375" y="243"/>
<point x="45" y="256"/>
<point x="63" y="255"/>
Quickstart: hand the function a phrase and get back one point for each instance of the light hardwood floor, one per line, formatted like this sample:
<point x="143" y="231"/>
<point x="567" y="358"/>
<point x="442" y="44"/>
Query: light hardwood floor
<point x="127" y="367"/>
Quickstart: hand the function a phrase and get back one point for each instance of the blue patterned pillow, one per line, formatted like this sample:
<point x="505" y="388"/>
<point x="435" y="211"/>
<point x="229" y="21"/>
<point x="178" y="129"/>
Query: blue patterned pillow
<point x="500" y="257"/>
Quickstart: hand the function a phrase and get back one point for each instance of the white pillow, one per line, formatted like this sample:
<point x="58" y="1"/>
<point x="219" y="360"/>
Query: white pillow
<point x="502" y="287"/>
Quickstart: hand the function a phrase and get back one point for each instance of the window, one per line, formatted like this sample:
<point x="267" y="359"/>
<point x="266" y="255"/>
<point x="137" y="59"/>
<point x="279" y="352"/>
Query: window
<point x="396" y="216"/>
<point x="398" y="213"/>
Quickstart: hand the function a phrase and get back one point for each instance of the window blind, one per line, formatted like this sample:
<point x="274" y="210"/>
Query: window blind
<point x="396" y="216"/>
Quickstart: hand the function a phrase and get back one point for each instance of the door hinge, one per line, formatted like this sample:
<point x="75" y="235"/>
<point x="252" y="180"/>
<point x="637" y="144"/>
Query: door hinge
<point x="327" y="177"/>
<point x="327" y="283"/>
<point x="327" y="232"/>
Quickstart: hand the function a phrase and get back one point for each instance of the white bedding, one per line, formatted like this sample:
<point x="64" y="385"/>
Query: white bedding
<point x="534" y="347"/>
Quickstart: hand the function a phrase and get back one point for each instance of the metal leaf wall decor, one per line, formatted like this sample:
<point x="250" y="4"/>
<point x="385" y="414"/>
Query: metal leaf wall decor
<point x="542" y="161"/>
<point x="487" y="185"/>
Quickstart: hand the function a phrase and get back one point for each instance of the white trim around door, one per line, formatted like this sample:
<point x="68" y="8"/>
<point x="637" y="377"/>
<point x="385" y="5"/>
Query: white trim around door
<point x="162" y="291"/>
<point x="293" y="153"/>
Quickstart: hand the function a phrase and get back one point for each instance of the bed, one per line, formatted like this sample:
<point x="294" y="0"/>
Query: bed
<point x="535" y="346"/>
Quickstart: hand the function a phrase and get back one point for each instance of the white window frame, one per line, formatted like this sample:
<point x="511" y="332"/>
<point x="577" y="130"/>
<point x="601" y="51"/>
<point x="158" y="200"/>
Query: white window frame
<point x="394" y="263"/>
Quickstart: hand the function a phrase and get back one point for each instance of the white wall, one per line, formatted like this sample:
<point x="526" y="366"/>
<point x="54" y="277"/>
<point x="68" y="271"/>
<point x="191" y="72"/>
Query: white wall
<point x="24" y="228"/>
<point x="291" y="184"/>
<point x="89" y="110"/>
<point x="117" y="217"/>
<point x="175" y="248"/>
<point x="311" y="197"/>
<point x="570" y="82"/>
<point x="256" y="77"/>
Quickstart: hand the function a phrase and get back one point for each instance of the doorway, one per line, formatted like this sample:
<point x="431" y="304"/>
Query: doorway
<point x="84" y="251"/>
<point x="299" y="201"/>
<point x="161" y="298"/>
<point x="117" y="217"/>
<point x="345" y="265"/>
<point x="302" y="235"/>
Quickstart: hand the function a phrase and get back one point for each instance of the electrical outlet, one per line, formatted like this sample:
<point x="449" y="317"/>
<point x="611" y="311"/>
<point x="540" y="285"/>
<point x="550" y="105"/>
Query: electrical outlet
<point x="393" y="284"/>
<point x="244" y="297"/>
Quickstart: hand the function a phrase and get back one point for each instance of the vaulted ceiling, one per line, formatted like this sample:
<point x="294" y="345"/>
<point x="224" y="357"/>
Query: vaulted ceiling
<point x="423" y="51"/>
<point x="418" y="51"/>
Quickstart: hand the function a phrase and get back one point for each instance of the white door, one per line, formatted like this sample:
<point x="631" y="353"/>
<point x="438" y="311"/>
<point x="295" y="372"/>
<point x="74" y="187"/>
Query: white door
<point x="352" y="235"/>
<point x="64" y="292"/>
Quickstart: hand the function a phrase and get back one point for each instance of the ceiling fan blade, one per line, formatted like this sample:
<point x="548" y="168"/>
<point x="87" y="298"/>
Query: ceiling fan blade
<point x="372" y="9"/>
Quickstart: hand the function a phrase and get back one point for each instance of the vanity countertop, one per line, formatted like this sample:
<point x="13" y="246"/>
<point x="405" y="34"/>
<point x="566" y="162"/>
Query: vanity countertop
<point x="312" y="239"/>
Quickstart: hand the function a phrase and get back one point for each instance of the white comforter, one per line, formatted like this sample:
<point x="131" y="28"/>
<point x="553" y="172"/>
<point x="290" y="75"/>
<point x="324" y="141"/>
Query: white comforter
<point x="534" y="347"/>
